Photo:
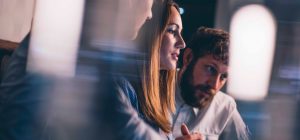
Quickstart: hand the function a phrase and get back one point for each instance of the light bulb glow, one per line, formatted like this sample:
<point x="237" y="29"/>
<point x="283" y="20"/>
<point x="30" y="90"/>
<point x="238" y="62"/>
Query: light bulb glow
<point x="253" y="31"/>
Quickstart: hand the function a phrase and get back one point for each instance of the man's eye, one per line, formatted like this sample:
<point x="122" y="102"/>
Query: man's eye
<point x="223" y="76"/>
<point x="211" y="70"/>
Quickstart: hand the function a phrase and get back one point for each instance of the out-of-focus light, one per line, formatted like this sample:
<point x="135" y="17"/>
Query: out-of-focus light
<point x="55" y="36"/>
<point x="253" y="31"/>
<point x="181" y="11"/>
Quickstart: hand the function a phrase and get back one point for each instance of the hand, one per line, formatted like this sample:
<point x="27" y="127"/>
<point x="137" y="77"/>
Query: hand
<point x="187" y="136"/>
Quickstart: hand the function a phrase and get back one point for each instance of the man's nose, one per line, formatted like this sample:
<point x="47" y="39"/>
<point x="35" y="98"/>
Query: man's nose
<point x="214" y="82"/>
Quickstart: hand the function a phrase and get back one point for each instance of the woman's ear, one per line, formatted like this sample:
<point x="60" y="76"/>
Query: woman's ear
<point x="187" y="56"/>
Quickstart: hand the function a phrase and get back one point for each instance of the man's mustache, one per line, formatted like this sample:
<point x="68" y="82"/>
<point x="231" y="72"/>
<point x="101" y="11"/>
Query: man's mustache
<point x="205" y="89"/>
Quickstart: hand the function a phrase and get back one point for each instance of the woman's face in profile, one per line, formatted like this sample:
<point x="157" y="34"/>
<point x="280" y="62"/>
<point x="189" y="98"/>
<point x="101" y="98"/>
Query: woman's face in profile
<point x="172" y="42"/>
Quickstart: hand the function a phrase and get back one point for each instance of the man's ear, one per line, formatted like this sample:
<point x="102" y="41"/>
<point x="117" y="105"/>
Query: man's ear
<point x="186" y="60"/>
<point x="187" y="56"/>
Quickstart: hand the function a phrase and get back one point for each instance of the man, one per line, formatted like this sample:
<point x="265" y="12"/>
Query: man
<point x="200" y="103"/>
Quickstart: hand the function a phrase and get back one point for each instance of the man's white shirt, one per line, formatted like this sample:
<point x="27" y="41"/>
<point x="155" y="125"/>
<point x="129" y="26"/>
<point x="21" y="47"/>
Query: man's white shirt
<point x="219" y="117"/>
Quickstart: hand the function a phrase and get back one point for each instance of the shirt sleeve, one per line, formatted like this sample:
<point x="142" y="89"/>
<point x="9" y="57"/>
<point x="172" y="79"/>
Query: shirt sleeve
<point x="235" y="129"/>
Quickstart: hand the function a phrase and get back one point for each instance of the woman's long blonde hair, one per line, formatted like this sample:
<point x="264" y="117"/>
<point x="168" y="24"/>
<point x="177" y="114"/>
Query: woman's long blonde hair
<point x="157" y="99"/>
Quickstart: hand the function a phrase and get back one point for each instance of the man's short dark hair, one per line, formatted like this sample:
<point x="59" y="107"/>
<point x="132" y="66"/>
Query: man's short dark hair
<point x="209" y="41"/>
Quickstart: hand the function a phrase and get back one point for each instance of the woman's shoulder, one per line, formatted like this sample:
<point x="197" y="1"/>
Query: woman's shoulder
<point x="131" y="94"/>
<point x="128" y="91"/>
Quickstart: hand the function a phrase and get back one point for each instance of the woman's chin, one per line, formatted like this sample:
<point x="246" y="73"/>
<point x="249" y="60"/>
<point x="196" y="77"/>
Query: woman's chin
<point x="170" y="66"/>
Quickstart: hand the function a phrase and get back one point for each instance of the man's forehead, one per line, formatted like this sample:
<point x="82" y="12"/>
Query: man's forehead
<point x="211" y="60"/>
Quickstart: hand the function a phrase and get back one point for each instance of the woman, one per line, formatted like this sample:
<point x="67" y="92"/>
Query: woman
<point x="162" y="39"/>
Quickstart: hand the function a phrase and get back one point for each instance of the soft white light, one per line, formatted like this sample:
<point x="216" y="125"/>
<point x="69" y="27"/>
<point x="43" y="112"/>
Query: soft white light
<point x="253" y="30"/>
<point x="181" y="11"/>
<point x="55" y="36"/>
<point x="15" y="19"/>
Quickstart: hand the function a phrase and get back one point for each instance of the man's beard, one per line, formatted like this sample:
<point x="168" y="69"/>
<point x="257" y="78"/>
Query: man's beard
<point x="198" y="96"/>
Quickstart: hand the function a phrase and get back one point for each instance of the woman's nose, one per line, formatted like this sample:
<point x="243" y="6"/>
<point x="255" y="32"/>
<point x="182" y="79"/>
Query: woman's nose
<point x="180" y="43"/>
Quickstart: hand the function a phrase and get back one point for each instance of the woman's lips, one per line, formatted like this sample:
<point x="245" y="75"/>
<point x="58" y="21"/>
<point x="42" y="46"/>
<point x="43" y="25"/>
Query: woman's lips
<point x="175" y="56"/>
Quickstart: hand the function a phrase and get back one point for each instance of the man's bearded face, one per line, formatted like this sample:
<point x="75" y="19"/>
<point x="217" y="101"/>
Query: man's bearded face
<point x="202" y="80"/>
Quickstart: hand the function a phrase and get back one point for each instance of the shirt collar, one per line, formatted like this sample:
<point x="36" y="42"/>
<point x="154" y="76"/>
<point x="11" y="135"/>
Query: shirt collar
<point x="196" y="111"/>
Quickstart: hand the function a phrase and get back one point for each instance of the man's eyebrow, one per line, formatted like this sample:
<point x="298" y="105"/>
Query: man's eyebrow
<point x="215" y="65"/>
<point x="217" y="68"/>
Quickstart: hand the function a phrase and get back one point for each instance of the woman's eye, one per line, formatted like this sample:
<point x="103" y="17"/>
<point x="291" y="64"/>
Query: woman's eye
<point x="171" y="31"/>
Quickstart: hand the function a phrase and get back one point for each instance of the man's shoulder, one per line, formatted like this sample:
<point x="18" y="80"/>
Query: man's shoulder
<point x="224" y="99"/>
